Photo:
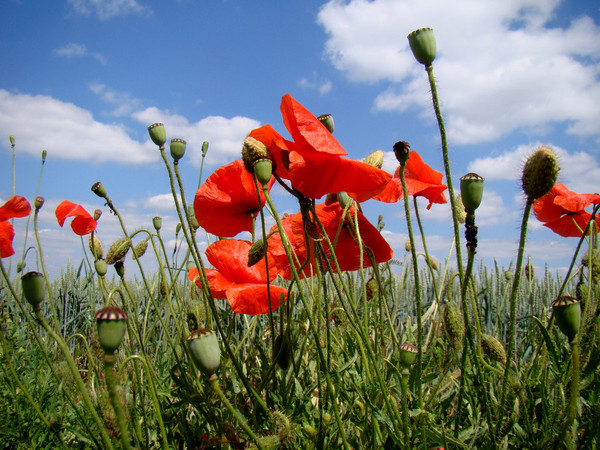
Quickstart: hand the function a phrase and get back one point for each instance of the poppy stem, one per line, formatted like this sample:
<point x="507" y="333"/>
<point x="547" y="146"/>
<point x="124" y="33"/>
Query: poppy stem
<point x="115" y="400"/>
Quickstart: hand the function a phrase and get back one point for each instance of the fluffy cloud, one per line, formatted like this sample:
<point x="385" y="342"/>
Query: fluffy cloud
<point x="500" y="66"/>
<point x="73" y="50"/>
<point x="107" y="9"/>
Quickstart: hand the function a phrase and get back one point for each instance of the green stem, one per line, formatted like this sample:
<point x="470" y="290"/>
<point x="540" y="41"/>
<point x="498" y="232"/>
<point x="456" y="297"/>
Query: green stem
<point x="404" y="384"/>
<point x="571" y="411"/>
<point x="115" y="400"/>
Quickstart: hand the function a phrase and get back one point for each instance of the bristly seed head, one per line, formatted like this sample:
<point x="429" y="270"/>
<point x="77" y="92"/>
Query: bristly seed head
<point x="539" y="173"/>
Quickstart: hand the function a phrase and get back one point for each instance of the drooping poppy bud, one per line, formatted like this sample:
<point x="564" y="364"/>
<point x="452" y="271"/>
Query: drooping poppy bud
<point x="96" y="246"/>
<point x="120" y="268"/>
<point x="204" y="350"/>
<point x="461" y="213"/>
<point x="283" y="351"/>
<point x="402" y="150"/>
<point x="33" y="288"/>
<point x="408" y="355"/>
<point x="423" y="45"/>
<point x="257" y="252"/>
<point x="158" y="134"/>
<point x="157" y="223"/>
<point x="471" y="191"/>
<point x="453" y="325"/>
<point x="192" y="215"/>
<point x="492" y="348"/>
<point x="327" y="121"/>
<point x="539" y="173"/>
<point x="11" y="138"/>
<point x="111" y="323"/>
<point x="567" y="312"/>
<point x="204" y="148"/>
<point x="118" y="250"/>
<point x="99" y="189"/>
<point x="140" y="249"/>
<point x="177" y="149"/>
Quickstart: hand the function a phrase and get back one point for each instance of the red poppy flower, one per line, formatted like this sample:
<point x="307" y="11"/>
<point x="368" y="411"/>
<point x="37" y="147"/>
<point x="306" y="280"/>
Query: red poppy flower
<point x="421" y="180"/>
<point x="347" y="250"/>
<point x="82" y="224"/>
<point x="15" y="206"/>
<point x="563" y="211"/>
<point x="313" y="162"/>
<point x="245" y="288"/>
<point x="227" y="203"/>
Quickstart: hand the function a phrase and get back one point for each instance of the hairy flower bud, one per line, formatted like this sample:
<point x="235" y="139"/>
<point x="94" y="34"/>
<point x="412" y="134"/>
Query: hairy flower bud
<point x="453" y="325"/>
<point x="118" y="250"/>
<point x="539" y="173"/>
<point x="96" y="246"/>
<point x="375" y="159"/>
<point x="492" y="348"/>
<point x="256" y="252"/>
<point x="139" y="249"/>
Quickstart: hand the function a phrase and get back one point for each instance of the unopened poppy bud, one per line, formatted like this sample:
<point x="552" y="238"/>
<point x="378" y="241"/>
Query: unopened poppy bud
<point x="257" y="252"/>
<point x="20" y="266"/>
<point x="44" y="154"/>
<point x="157" y="223"/>
<point x="204" y="350"/>
<point x="471" y="191"/>
<point x="461" y="214"/>
<point x="375" y="159"/>
<point x="177" y="149"/>
<point x="263" y="170"/>
<point x="139" y="249"/>
<point x="177" y="228"/>
<point x="539" y="173"/>
<point x="453" y="325"/>
<point x="118" y="250"/>
<point x="423" y="45"/>
<point x="97" y="214"/>
<point x="11" y="138"/>
<point x="100" y="266"/>
<point x="253" y="150"/>
<point x="120" y="268"/>
<point x="111" y="323"/>
<point x="567" y="312"/>
<point x="493" y="348"/>
<point x="33" y="288"/>
<point x="204" y="148"/>
<point x="326" y="419"/>
<point x="158" y="134"/>
<point x="192" y="215"/>
<point x="38" y="203"/>
<point x="372" y="288"/>
<point x="408" y="355"/>
<point x="344" y="199"/>
<point x="327" y="121"/>
<point x="99" y="189"/>
<point x="96" y="246"/>
<point x="529" y="271"/>
<point x="407" y="245"/>
<point x="402" y="150"/>
<point x="431" y="262"/>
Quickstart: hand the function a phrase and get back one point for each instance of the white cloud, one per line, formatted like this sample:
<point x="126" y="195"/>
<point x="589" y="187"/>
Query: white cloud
<point x="160" y="202"/>
<point x="225" y="135"/>
<point x="317" y="83"/>
<point x="74" y="50"/>
<point x="499" y="67"/>
<point x="123" y="102"/>
<point x="67" y="131"/>
<point x="107" y="9"/>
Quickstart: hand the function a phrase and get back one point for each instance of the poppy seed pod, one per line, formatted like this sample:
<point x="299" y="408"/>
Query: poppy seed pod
<point x="423" y="45"/>
<point x="567" y="312"/>
<point x="97" y="214"/>
<point x="408" y="355"/>
<point x="204" y="350"/>
<point x="38" y="203"/>
<point x="402" y="151"/>
<point x="539" y="173"/>
<point x="344" y="199"/>
<point x="111" y="323"/>
<point x="157" y="223"/>
<point x="158" y="134"/>
<point x="263" y="170"/>
<point x="471" y="191"/>
<point x="33" y="288"/>
<point x="120" y="268"/>
<point x="177" y="149"/>
<point x="99" y="189"/>
<point x="327" y="121"/>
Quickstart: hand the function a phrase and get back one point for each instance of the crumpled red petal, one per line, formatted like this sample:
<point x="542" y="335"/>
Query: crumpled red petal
<point x="217" y="283"/>
<point x="15" y="206"/>
<point x="277" y="146"/>
<point x="230" y="257"/>
<point x="82" y="224"/>
<point x="571" y="225"/>
<point x="7" y="235"/>
<point x="253" y="299"/>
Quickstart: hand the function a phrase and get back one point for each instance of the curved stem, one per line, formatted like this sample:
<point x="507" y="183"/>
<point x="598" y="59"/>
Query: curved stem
<point x="115" y="400"/>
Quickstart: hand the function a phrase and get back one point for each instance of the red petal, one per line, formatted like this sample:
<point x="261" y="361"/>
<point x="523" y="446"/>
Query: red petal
<point x="318" y="174"/>
<point x="544" y="208"/>
<point x="15" y="206"/>
<point x="308" y="132"/>
<point x="230" y="257"/>
<point x="566" y="227"/>
<point x="276" y="145"/>
<point x="217" y="283"/>
<point x="249" y="298"/>
<point x="83" y="223"/>
<point x="391" y="193"/>
<point x="6" y="238"/>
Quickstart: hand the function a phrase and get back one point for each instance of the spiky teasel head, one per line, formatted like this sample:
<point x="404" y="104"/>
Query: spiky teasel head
<point x="375" y="159"/>
<point x="539" y="173"/>
<point x="139" y="249"/>
<point x="492" y="348"/>
<point x="96" y="246"/>
<point x="118" y="250"/>
<point x="453" y="325"/>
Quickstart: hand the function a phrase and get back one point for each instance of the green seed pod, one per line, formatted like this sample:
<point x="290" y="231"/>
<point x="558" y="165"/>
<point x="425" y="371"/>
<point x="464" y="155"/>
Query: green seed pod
<point x="327" y="121"/>
<point x="38" y="203"/>
<point x="33" y="288"/>
<point x="263" y="170"/>
<point x="96" y="246"/>
<point x="253" y="150"/>
<point x="408" y="355"/>
<point x="100" y="266"/>
<point x="97" y="214"/>
<point x="539" y="173"/>
<point x="567" y="313"/>
<point x="283" y="351"/>
<point x="402" y="151"/>
<point x="140" y="249"/>
<point x="157" y="223"/>
<point x="471" y="191"/>
<point x="99" y="189"/>
<point x="343" y="199"/>
<point x="423" y="45"/>
<point x="453" y="325"/>
<point x="375" y="159"/>
<point x="177" y="149"/>
<point x="111" y="323"/>
<point x="257" y="252"/>
<point x="326" y="419"/>
<point x="118" y="250"/>
<point x="204" y="350"/>
<point x="158" y="134"/>
<point x="492" y="348"/>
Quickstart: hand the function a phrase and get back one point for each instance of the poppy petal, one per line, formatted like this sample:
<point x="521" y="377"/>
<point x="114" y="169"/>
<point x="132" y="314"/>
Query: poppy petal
<point x="253" y="299"/>
<point x="82" y="224"/>
<point x="6" y="238"/>
<point x="309" y="134"/>
<point x="277" y="146"/>
<point x="230" y="257"/>
<point x="15" y="206"/>
<point x="570" y="225"/>
<point x="217" y="283"/>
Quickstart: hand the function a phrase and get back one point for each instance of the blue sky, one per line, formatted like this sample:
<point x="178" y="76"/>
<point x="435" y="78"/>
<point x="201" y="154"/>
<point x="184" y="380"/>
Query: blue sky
<point x="84" y="78"/>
